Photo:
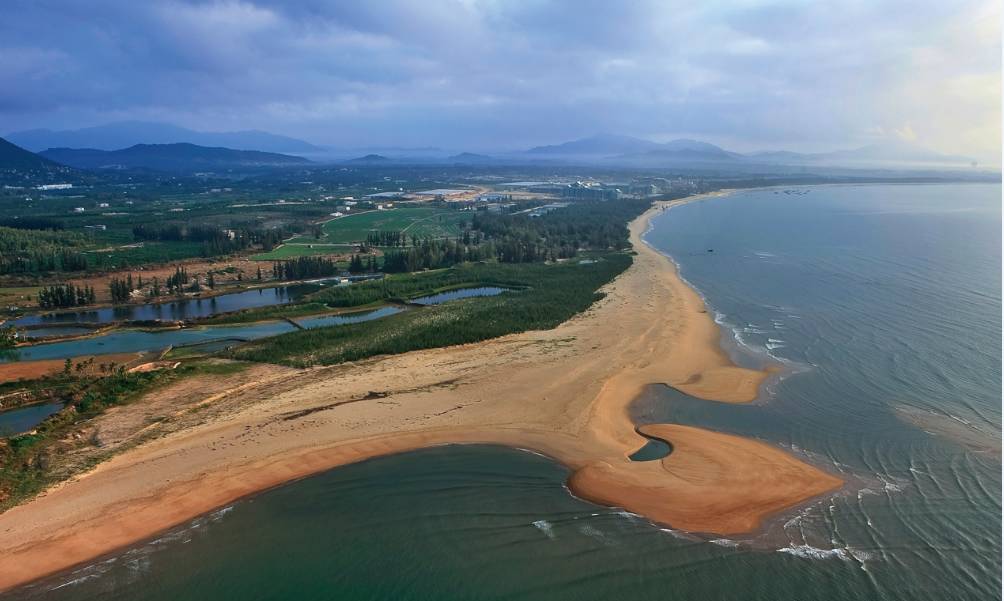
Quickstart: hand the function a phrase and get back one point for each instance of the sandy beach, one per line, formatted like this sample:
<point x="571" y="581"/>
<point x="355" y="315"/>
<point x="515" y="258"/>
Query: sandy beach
<point x="562" y="392"/>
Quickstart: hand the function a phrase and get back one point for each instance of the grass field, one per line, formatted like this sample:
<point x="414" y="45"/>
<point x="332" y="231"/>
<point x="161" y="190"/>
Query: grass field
<point x="148" y="252"/>
<point x="292" y="250"/>
<point x="421" y="222"/>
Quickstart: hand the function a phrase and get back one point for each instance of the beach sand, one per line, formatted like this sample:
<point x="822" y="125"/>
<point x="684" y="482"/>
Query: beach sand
<point x="562" y="392"/>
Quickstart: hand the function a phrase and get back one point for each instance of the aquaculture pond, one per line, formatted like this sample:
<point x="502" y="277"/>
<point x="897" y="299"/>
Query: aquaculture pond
<point x="452" y="295"/>
<point x="175" y="310"/>
<point x="132" y="341"/>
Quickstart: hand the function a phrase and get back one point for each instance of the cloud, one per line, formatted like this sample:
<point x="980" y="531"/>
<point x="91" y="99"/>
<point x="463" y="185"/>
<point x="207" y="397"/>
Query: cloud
<point x="906" y="133"/>
<point x="488" y="74"/>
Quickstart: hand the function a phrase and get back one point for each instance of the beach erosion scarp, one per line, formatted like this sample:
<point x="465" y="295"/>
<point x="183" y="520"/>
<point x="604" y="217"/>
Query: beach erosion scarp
<point x="563" y="392"/>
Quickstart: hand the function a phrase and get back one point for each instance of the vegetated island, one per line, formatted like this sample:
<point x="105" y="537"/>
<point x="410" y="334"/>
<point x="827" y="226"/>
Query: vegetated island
<point x="563" y="392"/>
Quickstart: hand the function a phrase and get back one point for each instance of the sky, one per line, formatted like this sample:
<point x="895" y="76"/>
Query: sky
<point x="495" y="75"/>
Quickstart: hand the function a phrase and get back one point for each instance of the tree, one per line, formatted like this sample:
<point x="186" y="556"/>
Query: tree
<point x="356" y="264"/>
<point x="8" y="337"/>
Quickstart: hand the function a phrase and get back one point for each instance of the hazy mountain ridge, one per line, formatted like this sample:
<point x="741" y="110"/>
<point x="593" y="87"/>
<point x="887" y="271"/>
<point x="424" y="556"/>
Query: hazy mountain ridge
<point x="123" y="134"/>
<point x="169" y="157"/>
<point x="631" y="150"/>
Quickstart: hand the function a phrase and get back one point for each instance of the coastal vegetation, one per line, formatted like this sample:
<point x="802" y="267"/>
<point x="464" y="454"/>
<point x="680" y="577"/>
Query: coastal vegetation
<point x="27" y="459"/>
<point x="62" y="444"/>
<point x="549" y="294"/>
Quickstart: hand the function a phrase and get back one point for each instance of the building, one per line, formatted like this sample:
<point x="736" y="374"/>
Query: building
<point x="379" y="195"/>
<point x="78" y="209"/>
<point x="55" y="187"/>
<point x="495" y="197"/>
<point x="586" y="191"/>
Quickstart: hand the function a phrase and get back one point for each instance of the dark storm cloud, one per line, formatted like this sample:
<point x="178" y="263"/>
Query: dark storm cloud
<point x="492" y="74"/>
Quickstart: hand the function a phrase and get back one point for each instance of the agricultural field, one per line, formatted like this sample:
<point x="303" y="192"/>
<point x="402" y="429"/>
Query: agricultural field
<point x="425" y="222"/>
<point x="292" y="250"/>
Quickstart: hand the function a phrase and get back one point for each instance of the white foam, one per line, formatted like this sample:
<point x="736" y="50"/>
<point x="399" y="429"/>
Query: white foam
<point x="675" y="533"/>
<point x="724" y="542"/>
<point x="545" y="527"/>
<point x="810" y="552"/>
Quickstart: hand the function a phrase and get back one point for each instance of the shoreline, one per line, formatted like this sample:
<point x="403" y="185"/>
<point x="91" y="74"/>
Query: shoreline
<point x="564" y="393"/>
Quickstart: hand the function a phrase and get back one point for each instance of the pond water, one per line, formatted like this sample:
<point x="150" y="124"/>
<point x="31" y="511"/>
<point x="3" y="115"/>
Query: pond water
<point x="444" y="297"/>
<point x="23" y="419"/>
<point x="132" y="341"/>
<point x="176" y="310"/>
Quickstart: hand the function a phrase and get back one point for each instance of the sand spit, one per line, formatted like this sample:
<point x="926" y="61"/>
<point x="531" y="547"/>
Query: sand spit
<point x="562" y="392"/>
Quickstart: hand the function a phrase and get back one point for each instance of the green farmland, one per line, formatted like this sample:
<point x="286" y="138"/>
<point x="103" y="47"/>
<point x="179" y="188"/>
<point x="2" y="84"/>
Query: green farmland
<point x="292" y="250"/>
<point x="421" y="222"/>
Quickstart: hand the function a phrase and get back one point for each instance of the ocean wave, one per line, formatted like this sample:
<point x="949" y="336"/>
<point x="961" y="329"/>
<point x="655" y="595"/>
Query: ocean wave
<point x="724" y="542"/>
<point x="810" y="552"/>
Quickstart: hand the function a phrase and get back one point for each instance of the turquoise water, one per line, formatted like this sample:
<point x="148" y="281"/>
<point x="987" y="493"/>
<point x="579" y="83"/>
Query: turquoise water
<point x="882" y="302"/>
<point x="131" y="341"/>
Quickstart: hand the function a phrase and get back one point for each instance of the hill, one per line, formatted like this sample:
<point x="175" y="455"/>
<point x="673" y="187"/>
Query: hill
<point x="170" y="157"/>
<point x="682" y="151"/>
<point x="600" y="144"/>
<point x="124" y="134"/>
<point x="20" y="165"/>
<point x="370" y="159"/>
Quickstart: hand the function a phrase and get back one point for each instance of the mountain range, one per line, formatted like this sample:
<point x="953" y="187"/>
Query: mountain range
<point x="637" y="151"/>
<point x="601" y="149"/>
<point x="169" y="157"/>
<point x="123" y="134"/>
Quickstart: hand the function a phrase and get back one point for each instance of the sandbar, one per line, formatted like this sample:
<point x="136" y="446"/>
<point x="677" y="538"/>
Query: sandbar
<point x="563" y="392"/>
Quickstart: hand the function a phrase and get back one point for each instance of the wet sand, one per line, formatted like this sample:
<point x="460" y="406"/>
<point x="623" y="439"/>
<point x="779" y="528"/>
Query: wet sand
<point x="563" y="392"/>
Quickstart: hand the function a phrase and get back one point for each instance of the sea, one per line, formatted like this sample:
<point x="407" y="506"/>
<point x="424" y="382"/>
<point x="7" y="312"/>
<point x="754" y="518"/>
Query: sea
<point x="881" y="307"/>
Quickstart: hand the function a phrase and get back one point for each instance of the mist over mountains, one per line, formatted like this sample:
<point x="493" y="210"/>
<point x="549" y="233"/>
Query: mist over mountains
<point x="166" y="147"/>
<point x="123" y="134"/>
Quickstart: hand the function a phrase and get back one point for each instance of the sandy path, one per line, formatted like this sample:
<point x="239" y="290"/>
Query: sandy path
<point x="563" y="392"/>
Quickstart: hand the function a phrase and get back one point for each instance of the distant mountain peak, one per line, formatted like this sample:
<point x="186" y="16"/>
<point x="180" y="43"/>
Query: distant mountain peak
<point x="598" y="144"/>
<point x="615" y="145"/>
<point x="470" y="157"/>
<point x="370" y="158"/>
<point x="178" y="156"/>
<point x="123" y="134"/>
